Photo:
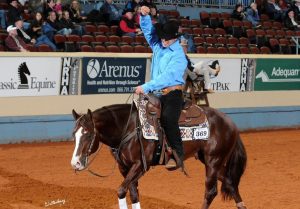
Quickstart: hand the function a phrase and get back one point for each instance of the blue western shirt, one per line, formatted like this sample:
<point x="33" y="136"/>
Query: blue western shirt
<point x="168" y="64"/>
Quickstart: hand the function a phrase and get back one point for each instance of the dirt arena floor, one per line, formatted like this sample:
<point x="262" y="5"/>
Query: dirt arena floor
<point x="39" y="175"/>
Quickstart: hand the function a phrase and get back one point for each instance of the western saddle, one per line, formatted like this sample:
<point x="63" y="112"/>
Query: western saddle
<point x="191" y="115"/>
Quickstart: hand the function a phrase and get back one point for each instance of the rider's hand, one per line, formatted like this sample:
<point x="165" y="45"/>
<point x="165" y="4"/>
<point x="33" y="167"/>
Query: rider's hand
<point x="139" y="90"/>
<point x="145" y="10"/>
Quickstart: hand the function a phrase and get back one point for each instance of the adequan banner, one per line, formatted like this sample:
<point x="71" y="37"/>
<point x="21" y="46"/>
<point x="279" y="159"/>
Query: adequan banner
<point x="29" y="76"/>
<point x="277" y="74"/>
<point x="228" y="79"/>
<point x="112" y="75"/>
<point x="69" y="76"/>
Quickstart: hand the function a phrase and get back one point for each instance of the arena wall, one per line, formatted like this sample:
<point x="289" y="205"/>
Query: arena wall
<point x="32" y="118"/>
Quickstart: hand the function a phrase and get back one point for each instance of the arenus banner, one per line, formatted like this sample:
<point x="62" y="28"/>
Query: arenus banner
<point x="112" y="75"/>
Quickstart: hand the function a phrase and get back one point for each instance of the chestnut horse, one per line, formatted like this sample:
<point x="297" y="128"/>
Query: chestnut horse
<point x="117" y="126"/>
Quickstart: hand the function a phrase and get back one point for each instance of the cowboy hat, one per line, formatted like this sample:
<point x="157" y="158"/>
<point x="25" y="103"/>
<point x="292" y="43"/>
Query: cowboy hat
<point x="167" y="31"/>
<point x="10" y="28"/>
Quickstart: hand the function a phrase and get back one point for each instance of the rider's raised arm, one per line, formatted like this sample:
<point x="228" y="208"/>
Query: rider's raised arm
<point x="149" y="30"/>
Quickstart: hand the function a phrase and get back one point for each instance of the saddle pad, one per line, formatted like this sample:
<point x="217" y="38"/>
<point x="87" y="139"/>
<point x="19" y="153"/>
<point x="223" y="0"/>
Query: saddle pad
<point x="199" y="132"/>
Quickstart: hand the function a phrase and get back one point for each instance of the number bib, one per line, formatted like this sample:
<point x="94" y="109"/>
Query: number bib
<point x="200" y="133"/>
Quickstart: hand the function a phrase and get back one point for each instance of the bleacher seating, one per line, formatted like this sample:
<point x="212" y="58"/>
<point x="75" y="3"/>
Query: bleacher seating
<point x="212" y="32"/>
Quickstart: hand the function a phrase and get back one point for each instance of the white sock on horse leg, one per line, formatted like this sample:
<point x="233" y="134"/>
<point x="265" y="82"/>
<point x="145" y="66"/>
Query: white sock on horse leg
<point x="122" y="203"/>
<point x="240" y="204"/>
<point x="136" y="205"/>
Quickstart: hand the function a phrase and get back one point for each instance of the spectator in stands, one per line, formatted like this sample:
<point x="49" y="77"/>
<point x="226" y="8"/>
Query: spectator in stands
<point x="36" y="6"/>
<point x="49" y="7"/>
<point x="283" y="5"/>
<point x="58" y="6"/>
<point x="53" y="27"/>
<point x="110" y="13"/>
<point x="36" y="40"/>
<point x="13" y="42"/>
<point x="207" y="69"/>
<point x="132" y="4"/>
<point x="274" y="11"/>
<point x="296" y="8"/>
<point x="127" y="26"/>
<point x="290" y="21"/>
<point x="238" y="12"/>
<point x="58" y="9"/>
<point x="23" y="2"/>
<point x="36" y="25"/>
<point x="137" y="15"/>
<point x="66" y="2"/>
<point x="252" y="15"/>
<point x="66" y="22"/>
<point x="3" y="18"/>
<point x="148" y="3"/>
<point x="14" y="12"/>
<point x="36" y="32"/>
<point x="187" y="39"/>
<point x="157" y="17"/>
<point x="75" y="12"/>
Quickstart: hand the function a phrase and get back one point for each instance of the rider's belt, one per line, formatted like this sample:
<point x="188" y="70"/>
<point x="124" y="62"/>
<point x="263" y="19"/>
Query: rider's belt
<point x="171" y="88"/>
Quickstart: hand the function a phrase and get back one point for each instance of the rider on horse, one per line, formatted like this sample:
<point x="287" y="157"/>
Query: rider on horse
<point x="167" y="70"/>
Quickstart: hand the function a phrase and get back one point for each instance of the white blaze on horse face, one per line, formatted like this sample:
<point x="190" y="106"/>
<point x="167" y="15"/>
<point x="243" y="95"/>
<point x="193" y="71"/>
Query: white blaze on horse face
<point x="75" y="162"/>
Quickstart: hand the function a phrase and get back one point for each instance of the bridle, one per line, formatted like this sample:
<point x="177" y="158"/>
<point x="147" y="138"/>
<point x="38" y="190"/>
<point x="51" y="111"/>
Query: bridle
<point x="92" y="141"/>
<point x="115" y="150"/>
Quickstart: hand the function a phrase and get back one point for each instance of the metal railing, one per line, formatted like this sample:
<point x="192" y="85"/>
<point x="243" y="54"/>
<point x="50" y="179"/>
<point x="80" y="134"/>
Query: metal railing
<point x="296" y="39"/>
<point x="186" y="3"/>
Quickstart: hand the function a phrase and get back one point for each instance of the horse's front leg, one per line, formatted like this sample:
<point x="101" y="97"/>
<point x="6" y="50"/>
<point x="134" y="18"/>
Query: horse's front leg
<point x="134" y="195"/>
<point x="134" y="173"/>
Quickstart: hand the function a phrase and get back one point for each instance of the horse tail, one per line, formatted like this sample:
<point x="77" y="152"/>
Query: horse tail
<point x="234" y="170"/>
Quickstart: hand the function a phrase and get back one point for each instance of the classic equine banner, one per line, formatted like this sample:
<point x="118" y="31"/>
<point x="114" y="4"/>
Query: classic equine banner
<point x="29" y="76"/>
<point x="112" y="75"/>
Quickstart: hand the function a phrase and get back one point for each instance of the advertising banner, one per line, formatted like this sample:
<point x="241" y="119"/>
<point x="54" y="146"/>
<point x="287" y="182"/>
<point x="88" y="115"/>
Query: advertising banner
<point x="277" y="74"/>
<point x="112" y="75"/>
<point x="69" y="76"/>
<point x="228" y="79"/>
<point x="29" y="76"/>
<point x="247" y="74"/>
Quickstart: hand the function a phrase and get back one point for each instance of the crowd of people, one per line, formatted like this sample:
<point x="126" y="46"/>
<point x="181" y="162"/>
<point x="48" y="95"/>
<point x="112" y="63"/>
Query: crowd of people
<point x="39" y="21"/>
<point x="36" y="22"/>
<point x="285" y="11"/>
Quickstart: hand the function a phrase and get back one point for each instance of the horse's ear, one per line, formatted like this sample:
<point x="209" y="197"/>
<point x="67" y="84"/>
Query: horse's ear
<point x="75" y="114"/>
<point x="89" y="113"/>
